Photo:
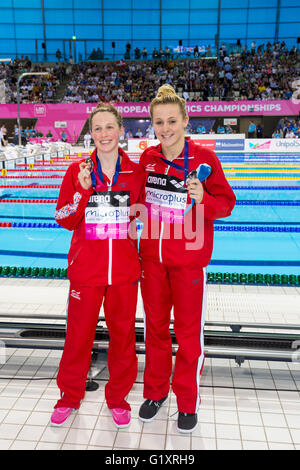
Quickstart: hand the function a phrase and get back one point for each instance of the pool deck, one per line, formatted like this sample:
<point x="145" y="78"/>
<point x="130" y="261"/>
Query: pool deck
<point x="255" y="406"/>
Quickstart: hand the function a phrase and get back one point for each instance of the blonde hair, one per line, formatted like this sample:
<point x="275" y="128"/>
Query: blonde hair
<point x="108" y="108"/>
<point x="167" y="95"/>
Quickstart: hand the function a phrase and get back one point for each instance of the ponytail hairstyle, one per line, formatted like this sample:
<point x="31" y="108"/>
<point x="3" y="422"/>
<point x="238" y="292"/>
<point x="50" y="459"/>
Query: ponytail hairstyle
<point x="167" y="95"/>
<point x="108" y="108"/>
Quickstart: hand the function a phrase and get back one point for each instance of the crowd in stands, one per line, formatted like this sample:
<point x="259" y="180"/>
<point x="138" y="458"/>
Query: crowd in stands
<point x="265" y="72"/>
<point x="258" y="74"/>
<point x="287" y="129"/>
<point x="33" y="89"/>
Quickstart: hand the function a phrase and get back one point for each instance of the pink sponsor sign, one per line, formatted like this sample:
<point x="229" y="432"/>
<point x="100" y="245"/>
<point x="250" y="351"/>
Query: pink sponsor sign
<point x="75" y="115"/>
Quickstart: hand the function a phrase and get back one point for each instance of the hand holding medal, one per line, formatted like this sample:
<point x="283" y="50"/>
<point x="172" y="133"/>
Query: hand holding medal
<point x="194" y="187"/>
<point x="84" y="175"/>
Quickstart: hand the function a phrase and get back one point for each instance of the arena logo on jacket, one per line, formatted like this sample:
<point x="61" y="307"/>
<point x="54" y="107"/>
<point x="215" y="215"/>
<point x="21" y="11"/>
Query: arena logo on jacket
<point x="107" y="215"/>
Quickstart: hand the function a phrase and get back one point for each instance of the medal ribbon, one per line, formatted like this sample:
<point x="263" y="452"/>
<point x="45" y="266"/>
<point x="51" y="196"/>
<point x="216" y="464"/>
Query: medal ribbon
<point x="100" y="173"/>
<point x="186" y="161"/>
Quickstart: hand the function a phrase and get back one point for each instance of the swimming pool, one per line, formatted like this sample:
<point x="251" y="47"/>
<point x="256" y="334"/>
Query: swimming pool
<point x="262" y="235"/>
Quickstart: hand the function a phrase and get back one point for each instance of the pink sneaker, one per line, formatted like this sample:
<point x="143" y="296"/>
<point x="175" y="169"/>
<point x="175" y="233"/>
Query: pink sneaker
<point x="60" y="415"/>
<point x="121" y="417"/>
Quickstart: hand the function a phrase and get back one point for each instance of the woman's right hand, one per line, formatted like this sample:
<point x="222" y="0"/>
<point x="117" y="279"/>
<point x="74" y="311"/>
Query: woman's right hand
<point x="84" y="175"/>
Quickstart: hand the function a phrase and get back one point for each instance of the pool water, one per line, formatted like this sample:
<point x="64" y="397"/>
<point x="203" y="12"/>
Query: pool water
<point x="262" y="235"/>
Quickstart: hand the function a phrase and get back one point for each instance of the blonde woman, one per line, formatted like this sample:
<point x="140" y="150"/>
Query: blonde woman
<point x="185" y="191"/>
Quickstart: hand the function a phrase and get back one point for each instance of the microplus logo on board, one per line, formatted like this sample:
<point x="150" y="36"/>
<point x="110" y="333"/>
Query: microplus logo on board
<point x="230" y="144"/>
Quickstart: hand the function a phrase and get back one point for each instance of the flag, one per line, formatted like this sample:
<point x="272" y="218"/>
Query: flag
<point x="120" y="63"/>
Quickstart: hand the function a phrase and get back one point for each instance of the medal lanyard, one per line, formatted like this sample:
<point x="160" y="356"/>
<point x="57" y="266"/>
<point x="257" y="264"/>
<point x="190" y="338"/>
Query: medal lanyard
<point x="100" y="173"/>
<point x="186" y="161"/>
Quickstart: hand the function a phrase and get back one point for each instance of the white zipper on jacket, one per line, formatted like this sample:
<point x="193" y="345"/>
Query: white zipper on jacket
<point x="109" y="261"/>
<point x="162" y="230"/>
<point x="160" y="241"/>
<point x="109" y="255"/>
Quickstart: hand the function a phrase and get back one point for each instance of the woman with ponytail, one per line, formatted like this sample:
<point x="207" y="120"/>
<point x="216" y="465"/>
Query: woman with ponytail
<point x="185" y="191"/>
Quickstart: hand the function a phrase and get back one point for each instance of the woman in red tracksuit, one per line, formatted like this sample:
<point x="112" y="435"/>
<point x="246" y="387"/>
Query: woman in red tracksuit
<point x="96" y="201"/>
<point x="176" y="246"/>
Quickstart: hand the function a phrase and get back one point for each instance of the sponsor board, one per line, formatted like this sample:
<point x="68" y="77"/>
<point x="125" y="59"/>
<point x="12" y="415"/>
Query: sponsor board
<point x="207" y="143"/>
<point x="139" y="145"/>
<point x="272" y="145"/>
<point x="76" y="114"/>
<point x="229" y="144"/>
<point x="259" y="145"/>
<point x="60" y="124"/>
<point x="107" y="215"/>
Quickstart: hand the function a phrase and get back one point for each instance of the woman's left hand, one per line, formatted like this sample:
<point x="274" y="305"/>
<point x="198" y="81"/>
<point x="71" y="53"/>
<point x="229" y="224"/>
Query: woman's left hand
<point x="195" y="190"/>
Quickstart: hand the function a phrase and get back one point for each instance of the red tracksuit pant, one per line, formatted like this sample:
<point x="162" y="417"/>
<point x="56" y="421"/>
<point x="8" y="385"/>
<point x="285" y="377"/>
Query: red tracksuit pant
<point x="83" y="312"/>
<point x="183" y="288"/>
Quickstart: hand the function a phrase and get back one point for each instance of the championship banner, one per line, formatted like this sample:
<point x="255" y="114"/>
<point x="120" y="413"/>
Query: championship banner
<point x="74" y="115"/>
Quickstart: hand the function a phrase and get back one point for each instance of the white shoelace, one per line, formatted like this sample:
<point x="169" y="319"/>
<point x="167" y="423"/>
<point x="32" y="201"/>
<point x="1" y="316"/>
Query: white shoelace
<point x="155" y="403"/>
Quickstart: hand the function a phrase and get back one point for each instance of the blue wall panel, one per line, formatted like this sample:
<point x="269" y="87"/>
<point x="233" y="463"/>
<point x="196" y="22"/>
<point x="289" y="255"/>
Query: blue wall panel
<point x="171" y="34"/>
<point x="27" y="3"/>
<point x="146" y="4"/>
<point x="6" y="16"/>
<point x="84" y="31"/>
<point x="87" y="17"/>
<point x="26" y="46"/>
<point x="234" y="4"/>
<point x="115" y="5"/>
<point x="143" y="23"/>
<point x="7" y="32"/>
<point x="290" y="3"/>
<point x="263" y="3"/>
<point x="262" y="15"/>
<point x="228" y="31"/>
<point x="57" y="4"/>
<point x="8" y="46"/>
<point x="26" y="31"/>
<point x="290" y="14"/>
<point x="111" y="17"/>
<point x="117" y="32"/>
<point x="28" y="16"/>
<point x="6" y="3"/>
<point x="198" y="32"/>
<point x="175" y="4"/>
<point x="289" y="30"/>
<point x="175" y="18"/>
<point x="63" y="17"/>
<point x="143" y="31"/>
<point x="199" y="4"/>
<point x="204" y="17"/>
<point x="88" y="4"/>
<point x="261" y="30"/>
<point x="234" y="16"/>
<point x="59" y="31"/>
<point x="140" y="17"/>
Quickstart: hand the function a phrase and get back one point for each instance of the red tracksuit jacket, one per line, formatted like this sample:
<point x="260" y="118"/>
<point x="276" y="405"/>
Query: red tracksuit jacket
<point x="99" y="262"/>
<point x="219" y="199"/>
